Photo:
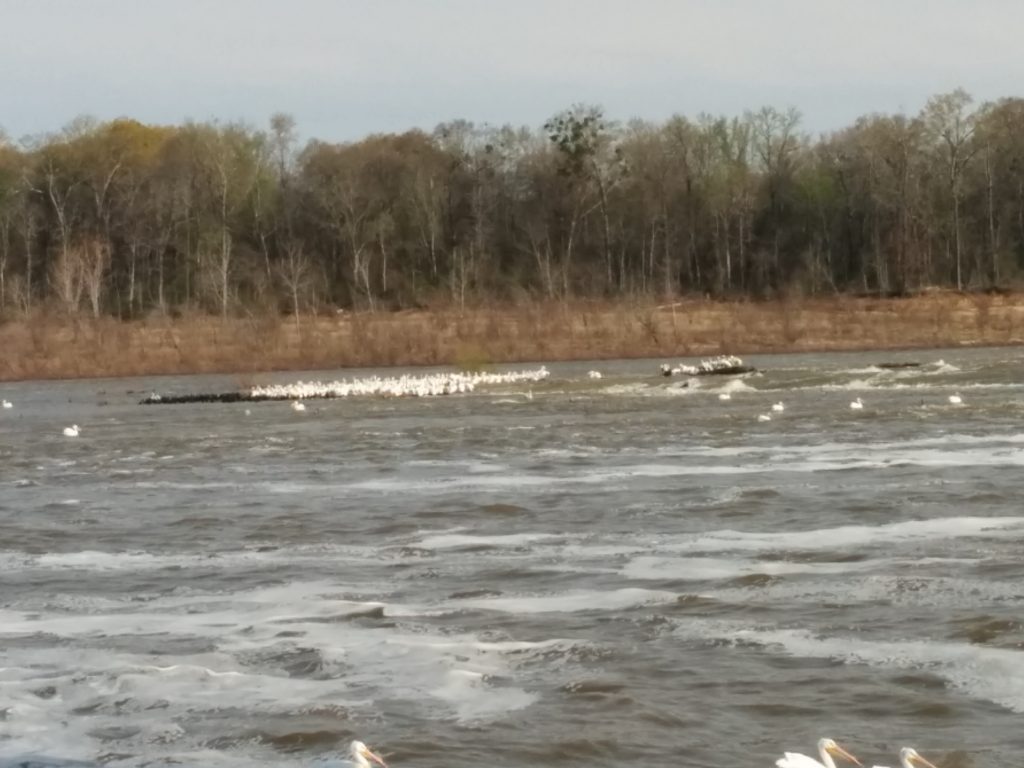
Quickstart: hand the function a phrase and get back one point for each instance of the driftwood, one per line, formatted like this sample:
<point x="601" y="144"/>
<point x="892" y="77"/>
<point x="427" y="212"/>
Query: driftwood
<point x="223" y="397"/>
<point x="733" y="370"/>
<point x="731" y="366"/>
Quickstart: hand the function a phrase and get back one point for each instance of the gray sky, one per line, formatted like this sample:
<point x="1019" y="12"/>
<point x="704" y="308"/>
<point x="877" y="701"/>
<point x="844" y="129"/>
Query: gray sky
<point x="345" y="68"/>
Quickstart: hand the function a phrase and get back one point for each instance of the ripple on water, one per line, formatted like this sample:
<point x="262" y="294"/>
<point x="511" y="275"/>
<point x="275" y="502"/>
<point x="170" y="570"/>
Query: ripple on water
<point x="630" y="574"/>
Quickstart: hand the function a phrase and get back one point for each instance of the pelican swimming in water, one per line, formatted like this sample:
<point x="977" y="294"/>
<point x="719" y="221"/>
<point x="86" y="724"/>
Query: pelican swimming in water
<point x="827" y="749"/>
<point x="857" y="405"/>
<point x="362" y="755"/>
<point x="778" y="407"/>
<point x="953" y="399"/>
<point x="297" y="405"/>
<point x="8" y="404"/>
<point x="724" y="396"/>
<point x="71" y="431"/>
<point x="594" y="374"/>
<point x="764" y="417"/>
<point x="910" y="759"/>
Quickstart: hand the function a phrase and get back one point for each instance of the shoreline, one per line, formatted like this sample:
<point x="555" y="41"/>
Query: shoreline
<point x="49" y="347"/>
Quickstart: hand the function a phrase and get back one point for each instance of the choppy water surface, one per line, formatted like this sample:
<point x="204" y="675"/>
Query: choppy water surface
<point x="613" y="572"/>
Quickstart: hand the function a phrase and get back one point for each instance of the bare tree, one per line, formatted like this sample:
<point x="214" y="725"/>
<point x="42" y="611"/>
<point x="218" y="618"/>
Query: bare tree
<point x="125" y="218"/>
<point x="775" y="141"/>
<point x="952" y="127"/>
<point x="65" y="278"/>
<point x="294" y="271"/>
<point x="94" y="262"/>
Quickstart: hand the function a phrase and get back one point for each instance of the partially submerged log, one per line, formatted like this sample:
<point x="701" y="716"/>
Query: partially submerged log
<point x="724" y="365"/>
<point x="222" y="397"/>
<point x="732" y="370"/>
<point x="406" y="385"/>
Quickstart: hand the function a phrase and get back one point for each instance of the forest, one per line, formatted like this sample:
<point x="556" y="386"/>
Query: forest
<point x="124" y="219"/>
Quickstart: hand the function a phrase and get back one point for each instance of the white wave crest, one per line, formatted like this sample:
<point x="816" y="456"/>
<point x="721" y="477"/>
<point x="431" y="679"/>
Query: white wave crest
<point x="992" y="674"/>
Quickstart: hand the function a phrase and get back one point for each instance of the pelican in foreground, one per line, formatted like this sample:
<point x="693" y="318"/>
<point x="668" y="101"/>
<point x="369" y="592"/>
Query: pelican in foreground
<point x="594" y="374"/>
<point x="953" y="400"/>
<point x="778" y="407"/>
<point x="764" y="417"/>
<point x="298" y="405"/>
<point x="910" y="759"/>
<point x="857" y="405"/>
<point x="827" y="749"/>
<point x="362" y="755"/>
<point x="71" y="431"/>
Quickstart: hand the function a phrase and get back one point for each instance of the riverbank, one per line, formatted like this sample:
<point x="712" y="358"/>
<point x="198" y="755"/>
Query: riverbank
<point x="51" y="347"/>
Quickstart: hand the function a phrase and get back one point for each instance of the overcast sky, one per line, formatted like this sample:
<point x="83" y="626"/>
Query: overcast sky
<point x="345" y="68"/>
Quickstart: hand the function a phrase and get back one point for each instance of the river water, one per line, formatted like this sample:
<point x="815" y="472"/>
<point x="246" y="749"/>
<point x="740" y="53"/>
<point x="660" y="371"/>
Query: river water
<point x="610" y="572"/>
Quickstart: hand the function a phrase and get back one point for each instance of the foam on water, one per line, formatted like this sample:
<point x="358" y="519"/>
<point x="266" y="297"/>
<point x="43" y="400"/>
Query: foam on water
<point x="473" y="699"/>
<point x="245" y="632"/>
<point x="652" y="567"/>
<point x="398" y="570"/>
<point x="907" y="586"/>
<point x="949" y="451"/>
<point x="993" y="674"/>
<point x="100" y="562"/>
<point x="635" y="388"/>
<point x="733" y="386"/>
<point x="849" y="537"/>
<point x="570" y="602"/>
<point x="465" y="540"/>
<point x="525" y="482"/>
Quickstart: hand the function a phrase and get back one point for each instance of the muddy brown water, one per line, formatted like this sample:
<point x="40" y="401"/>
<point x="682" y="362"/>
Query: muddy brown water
<point x="613" y="572"/>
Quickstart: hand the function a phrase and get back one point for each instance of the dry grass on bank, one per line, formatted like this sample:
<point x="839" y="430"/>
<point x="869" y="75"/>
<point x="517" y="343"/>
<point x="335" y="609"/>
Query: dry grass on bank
<point x="54" y="347"/>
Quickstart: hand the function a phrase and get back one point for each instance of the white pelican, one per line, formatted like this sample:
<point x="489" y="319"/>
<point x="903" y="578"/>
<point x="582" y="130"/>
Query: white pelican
<point x="361" y="755"/>
<point x="71" y="431"/>
<point x="8" y="404"/>
<point x="594" y="374"/>
<point x="778" y="407"/>
<point x="827" y="748"/>
<point x="764" y="417"/>
<point x="724" y="396"/>
<point x="953" y="400"/>
<point x="298" y="406"/>
<point x="910" y="759"/>
<point x="857" y="405"/>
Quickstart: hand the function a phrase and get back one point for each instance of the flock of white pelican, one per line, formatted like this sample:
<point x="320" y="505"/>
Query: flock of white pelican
<point x="710" y="365"/>
<point x="407" y="385"/>
<point x="828" y="751"/>
<point x="435" y="384"/>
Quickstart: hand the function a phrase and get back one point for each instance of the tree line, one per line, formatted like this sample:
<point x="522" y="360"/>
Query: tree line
<point x="125" y="219"/>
